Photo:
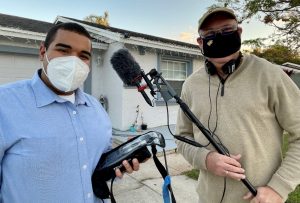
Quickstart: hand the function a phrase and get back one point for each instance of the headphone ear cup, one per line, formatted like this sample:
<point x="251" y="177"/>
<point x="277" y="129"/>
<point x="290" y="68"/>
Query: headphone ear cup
<point x="210" y="68"/>
<point x="229" y="67"/>
<point x="232" y="65"/>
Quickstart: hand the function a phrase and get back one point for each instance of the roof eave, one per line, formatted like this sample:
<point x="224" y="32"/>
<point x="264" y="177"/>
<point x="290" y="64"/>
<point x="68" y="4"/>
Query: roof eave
<point x="118" y="37"/>
<point x="23" y="34"/>
<point x="159" y="45"/>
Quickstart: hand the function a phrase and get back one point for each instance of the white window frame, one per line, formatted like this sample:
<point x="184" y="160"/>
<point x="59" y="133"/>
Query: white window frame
<point x="173" y="62"/>
<point x="179" y="59"/>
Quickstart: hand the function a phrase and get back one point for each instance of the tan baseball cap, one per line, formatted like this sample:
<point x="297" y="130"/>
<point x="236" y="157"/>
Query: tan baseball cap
<point x="213" y="11"/>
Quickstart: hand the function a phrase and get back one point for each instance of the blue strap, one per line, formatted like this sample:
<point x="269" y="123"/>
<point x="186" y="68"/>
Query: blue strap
<point x="165" y="191"/>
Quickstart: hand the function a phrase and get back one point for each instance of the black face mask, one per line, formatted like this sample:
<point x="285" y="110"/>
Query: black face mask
<point x="222" y="45"/>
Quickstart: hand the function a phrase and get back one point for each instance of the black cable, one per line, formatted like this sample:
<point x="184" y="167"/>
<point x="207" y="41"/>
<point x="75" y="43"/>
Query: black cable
<point x="192" y="142"/>
<point x="224" y="190"/>
<point x="212" y="133"/>
<point x="113" y="178"/>
<point x="210" y="105"/>
<point x="163" y="171"/>
<point x="215" y="128"/>
<point x="168" y="119"/>
<point x="166" y="164"/>
<point x="217" y="115"/>
<point x="217" y="118"/>
<point x="218" y="141"/>
<point x="181" y="138"/>
<point x="112" y="198"/>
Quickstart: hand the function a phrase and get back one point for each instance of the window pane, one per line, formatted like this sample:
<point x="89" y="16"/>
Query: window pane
<point x="176" y="75"/>
<point x="174" y="70"/>
<point x="182" y="75"/>
<point x="296" y="78"/>
<point x="183" y="66"/>
<point x="164" y="65"/>
<point x="177" y="66"/>
<point x="164" y="68"/>
<point x="177" y="86"/>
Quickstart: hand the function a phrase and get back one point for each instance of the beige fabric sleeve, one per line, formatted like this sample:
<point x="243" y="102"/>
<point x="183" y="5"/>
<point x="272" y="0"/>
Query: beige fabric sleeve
<point x="287" y="108"/>
<point x="184" y="127"/>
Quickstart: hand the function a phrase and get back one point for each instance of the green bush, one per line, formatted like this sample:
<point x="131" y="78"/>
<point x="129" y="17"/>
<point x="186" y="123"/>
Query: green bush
<point x="194" y="173"/>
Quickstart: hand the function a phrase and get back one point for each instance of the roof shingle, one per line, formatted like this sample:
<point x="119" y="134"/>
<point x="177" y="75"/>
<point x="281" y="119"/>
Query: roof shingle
<point x="24" y="23"/>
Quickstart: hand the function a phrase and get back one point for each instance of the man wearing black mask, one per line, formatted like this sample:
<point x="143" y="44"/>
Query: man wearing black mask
<point x="246" y="102"/>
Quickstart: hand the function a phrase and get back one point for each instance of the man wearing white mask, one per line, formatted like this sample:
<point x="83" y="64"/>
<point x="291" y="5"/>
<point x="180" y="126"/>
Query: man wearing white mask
<point x="52" y="134"/>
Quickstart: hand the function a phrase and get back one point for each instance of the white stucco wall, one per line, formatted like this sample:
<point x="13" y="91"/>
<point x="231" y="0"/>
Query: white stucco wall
<point x="19" y="59"/>
<point x="97" y="73"/>
<point x="122" y="101"/>
<point x="106" y="82"/>
<point x="153" y="116"/>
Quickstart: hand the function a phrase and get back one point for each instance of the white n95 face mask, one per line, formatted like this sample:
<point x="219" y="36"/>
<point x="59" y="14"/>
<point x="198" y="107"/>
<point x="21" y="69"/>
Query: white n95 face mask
<point x="67" y="73"/>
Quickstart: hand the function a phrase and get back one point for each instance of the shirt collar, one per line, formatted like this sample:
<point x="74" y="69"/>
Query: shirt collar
<point x="44" y="95"/>
<point x="80" y="98"/>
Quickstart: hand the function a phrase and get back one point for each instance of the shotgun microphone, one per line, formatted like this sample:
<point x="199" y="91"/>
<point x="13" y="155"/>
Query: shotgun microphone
<point x="130" y="72"/>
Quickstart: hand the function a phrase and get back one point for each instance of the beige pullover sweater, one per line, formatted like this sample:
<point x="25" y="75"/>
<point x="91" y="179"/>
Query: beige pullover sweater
<point x="259" y="102"/>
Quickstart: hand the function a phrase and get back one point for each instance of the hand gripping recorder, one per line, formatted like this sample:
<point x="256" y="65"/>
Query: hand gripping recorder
<point x="134" y="148"/>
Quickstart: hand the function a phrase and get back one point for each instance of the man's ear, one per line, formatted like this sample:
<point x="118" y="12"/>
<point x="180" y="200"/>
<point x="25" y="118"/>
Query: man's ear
<point x="42" y="51"/>
<point x="200" y="42"/>
<point x="240" y="30"/>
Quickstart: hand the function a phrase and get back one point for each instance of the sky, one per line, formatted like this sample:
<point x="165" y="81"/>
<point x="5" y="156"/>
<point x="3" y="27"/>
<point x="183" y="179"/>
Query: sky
<point x="171" y="19"/>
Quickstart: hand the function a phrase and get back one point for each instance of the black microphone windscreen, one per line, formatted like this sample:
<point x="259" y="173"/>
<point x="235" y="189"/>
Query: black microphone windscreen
<point x="126" y="67"/>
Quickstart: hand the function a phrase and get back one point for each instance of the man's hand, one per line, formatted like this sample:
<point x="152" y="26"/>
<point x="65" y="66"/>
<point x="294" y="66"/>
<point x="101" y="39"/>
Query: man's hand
<point x="129" y="169"/>
<point x="222" y="165"/>
<point x="264" y="195"/>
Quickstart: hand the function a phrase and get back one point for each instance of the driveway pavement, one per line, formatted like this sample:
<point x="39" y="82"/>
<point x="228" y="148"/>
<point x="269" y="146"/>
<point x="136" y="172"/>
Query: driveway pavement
<point x="145" y="185"/>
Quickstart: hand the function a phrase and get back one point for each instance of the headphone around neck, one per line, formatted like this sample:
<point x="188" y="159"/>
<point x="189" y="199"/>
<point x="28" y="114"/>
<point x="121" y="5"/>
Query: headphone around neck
<point x="227" y="68"/>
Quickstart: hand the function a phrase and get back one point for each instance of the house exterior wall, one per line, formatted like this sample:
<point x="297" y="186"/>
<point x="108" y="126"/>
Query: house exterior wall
<point x="19" y="59"/>
<point x="153" y="116"/>
<point x="132" y="98"/>
<point x="106" y="82"/>
<point x="122" y="101"/>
